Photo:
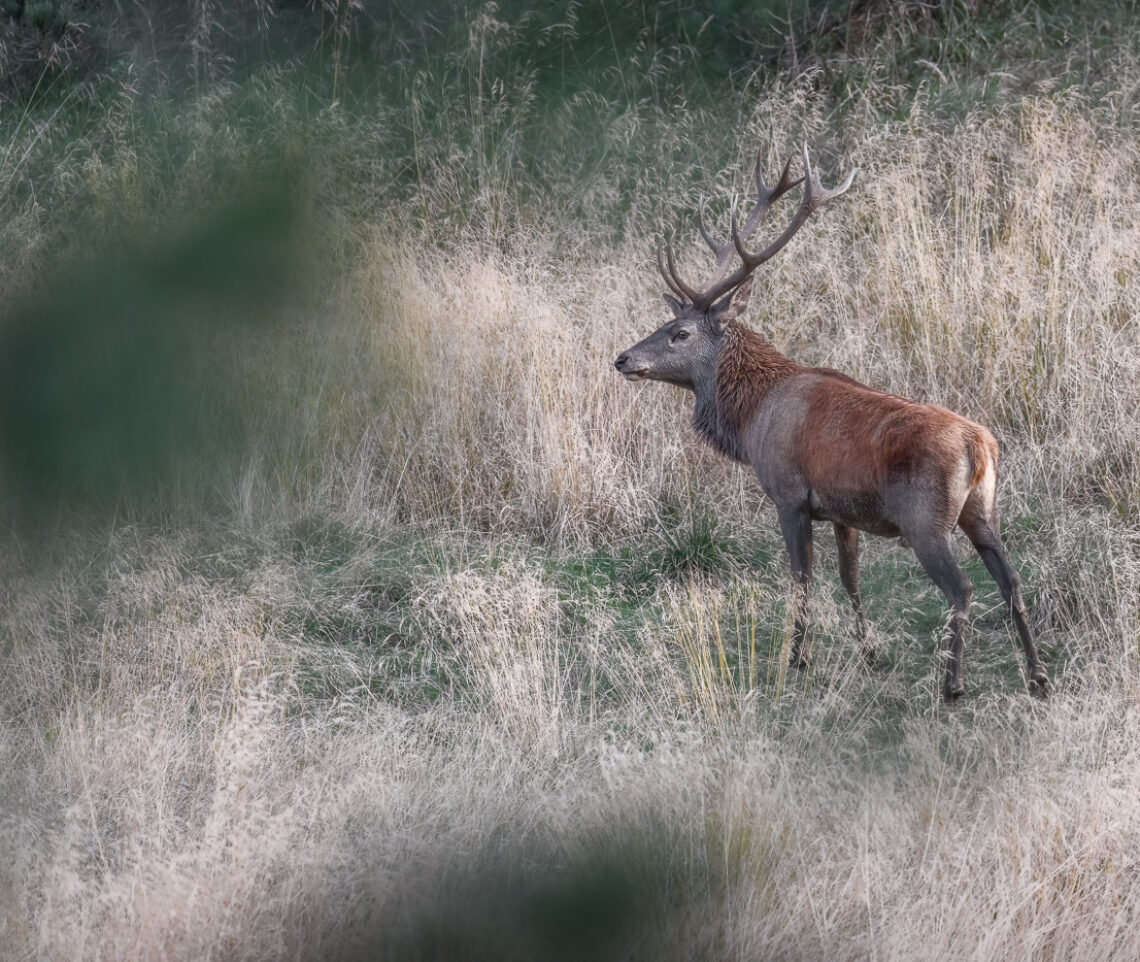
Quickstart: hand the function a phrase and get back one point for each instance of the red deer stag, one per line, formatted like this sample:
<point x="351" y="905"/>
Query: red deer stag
<point x="825" y="447"/>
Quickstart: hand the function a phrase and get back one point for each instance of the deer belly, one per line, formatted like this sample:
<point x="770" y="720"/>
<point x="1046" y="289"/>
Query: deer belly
<point x="856" y="509"/>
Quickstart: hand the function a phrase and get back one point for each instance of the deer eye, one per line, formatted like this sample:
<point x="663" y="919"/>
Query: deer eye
<point x="680" y="335"/>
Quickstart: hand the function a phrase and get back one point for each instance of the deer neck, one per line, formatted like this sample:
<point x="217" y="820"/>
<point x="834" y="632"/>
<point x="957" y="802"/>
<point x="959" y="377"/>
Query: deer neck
<point x="747" y="368"/>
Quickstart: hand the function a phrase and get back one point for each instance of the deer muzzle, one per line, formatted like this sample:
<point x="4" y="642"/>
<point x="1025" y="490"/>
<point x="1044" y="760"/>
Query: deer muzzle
<point x="624" y="364"/>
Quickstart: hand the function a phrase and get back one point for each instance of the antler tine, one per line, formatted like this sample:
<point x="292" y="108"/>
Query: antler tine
<point x="682" y="288"/>
<point x="718" y="249"/>
<point x="737" y="240"/>
<point x="820" y="196"/>
<point x="723" y="251"/>
<point x="664" y="273"/>
<point x="784" y="184"/>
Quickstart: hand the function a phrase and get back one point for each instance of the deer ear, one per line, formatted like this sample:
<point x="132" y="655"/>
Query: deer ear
<point x="675" y="305"/>
<point x="732" y="304"/>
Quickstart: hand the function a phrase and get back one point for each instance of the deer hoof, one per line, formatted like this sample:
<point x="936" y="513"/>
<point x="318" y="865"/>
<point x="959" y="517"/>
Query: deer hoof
<point x="1039" y="685"/>
<point x="796" y="660"/>
<point x="952" y="691"/>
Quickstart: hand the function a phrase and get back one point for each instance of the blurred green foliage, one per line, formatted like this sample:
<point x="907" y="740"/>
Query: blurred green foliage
<point x="129" y="375"/>
<point x="524" y="899"/>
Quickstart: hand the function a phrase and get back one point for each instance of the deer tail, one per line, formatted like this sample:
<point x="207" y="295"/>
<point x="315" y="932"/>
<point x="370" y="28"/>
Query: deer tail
<point x="984" y="453"/>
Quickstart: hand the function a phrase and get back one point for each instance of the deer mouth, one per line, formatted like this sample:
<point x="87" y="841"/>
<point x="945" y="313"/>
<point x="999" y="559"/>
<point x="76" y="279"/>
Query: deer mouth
<point x="634" y="375"/>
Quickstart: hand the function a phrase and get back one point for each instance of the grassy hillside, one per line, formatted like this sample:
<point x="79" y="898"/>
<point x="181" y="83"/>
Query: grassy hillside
<point x="353" y="606"/>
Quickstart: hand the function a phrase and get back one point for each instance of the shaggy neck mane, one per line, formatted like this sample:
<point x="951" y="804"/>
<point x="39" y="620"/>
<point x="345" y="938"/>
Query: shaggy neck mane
<point x="746" y="369"/>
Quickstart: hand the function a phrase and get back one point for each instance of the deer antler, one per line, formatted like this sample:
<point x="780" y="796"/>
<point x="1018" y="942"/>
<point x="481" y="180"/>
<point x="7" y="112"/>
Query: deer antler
<point x="721" y="281"/>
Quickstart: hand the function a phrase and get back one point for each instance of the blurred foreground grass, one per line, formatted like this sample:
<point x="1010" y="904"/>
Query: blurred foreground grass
<point x="133" y="377"/>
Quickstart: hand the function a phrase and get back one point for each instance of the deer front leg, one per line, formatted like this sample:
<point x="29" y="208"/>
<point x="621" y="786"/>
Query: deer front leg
<point x="795" y="523"/>
<point x="847" y="540"/>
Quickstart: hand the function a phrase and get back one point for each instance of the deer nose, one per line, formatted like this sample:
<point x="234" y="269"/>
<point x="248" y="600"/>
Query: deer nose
<point x="621" y="361"/>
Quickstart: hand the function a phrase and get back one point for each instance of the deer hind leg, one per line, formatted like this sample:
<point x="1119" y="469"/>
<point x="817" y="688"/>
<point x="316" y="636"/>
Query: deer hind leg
<point x="796" y="527"/>
<point x="938" y="561"/>
<point x="982" y="530"/>
<point x="847" y="540"/>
